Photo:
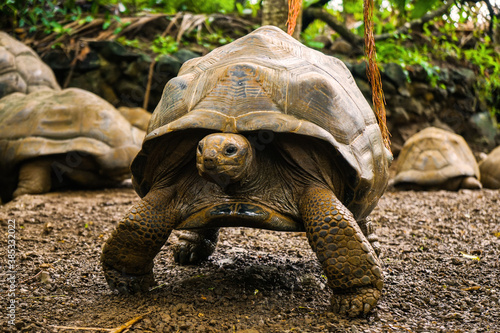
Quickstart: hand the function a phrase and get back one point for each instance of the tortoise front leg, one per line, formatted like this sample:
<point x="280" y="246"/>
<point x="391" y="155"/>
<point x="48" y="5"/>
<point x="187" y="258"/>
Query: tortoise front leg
<point x="348" y="260"/>
<point x="127" y="256"/>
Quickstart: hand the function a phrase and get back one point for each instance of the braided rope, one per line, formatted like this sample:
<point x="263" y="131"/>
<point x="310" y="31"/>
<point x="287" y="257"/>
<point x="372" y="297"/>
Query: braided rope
<point x="373" y="73"/>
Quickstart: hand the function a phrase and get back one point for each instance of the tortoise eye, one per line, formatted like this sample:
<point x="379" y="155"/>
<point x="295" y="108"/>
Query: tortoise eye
<point x="200" y="147"/>
<point x="230" y="150"/>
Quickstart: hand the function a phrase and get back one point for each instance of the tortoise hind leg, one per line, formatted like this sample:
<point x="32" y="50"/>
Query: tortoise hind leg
<point x="195" y="246"/>
<point x="127" y="256"/>
<point x="348" y="260"/>
<point x="34" y="177"/>
<point x="471" y="183"/>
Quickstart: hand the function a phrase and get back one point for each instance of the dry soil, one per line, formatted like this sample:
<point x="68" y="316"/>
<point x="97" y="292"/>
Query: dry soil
<point x="440" y="252"/>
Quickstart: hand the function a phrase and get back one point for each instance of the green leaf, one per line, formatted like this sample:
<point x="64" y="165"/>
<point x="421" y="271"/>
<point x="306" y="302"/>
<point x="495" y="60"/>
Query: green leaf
<point x="400" y="5"/>
<point x="315" y="45"/>
<point x="421" y="7"/>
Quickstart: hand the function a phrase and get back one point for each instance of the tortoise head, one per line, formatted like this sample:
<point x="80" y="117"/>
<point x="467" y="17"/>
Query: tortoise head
<point x="224" y="158"/>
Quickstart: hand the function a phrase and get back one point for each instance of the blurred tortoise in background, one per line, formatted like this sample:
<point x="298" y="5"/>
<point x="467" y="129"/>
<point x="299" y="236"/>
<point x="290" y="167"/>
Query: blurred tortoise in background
<point x="138" y="117"/>
<point x="264" y="133"/>
<point x="490" y="169"/>
<point x="52" y="138"/>
<point x="436" y="159"/>
<point x="21" y="69"/>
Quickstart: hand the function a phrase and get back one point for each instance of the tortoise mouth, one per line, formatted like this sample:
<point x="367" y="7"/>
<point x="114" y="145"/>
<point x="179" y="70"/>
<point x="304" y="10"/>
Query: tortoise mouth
<point x="240" y="214"/>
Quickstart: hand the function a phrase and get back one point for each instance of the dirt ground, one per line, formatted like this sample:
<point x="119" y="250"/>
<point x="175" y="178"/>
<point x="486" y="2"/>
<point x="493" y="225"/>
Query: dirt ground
<point x="440" y="252"/>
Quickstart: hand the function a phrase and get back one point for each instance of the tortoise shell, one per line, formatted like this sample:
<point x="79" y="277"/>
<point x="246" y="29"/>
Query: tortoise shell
<point x="433" y="157"/>
<point x="268" y="81"/>
<point x="138" y="117"/>
<point x="490" y="169"/>
<point x="21" y="69"/>
<point x="52" y="122"/>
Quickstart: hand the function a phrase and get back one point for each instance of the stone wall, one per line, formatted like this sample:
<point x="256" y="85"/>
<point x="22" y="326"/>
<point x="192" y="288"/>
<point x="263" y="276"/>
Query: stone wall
<point x="120" y="76"/>
<point x="412" y="104"/>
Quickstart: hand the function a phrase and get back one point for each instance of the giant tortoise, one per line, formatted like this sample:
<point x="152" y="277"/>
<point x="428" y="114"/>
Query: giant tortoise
<point x="50" y="138"/>
<point x="435" y="158"/>
<point x="263" y="133"/>
<point x="21" y="70"/>
<point x="490" y="169"/>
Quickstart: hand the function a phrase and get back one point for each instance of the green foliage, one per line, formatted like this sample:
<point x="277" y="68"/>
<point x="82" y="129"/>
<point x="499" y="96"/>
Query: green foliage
<point x="164" y="45"/>
<point x="414" y="8"/>
<point x="129" y="42"/>
<point x="199" y="6"/>
<point x="210" y="6"/>
<point x="47" y="15"/>
<point x="398" y="52"/>
<point x="420" y="8"/>
<point x="42" y="13"/>
<point x="215" y="38"/>
<point x="487" y="59"/>
<point x="309" y="34"/>
<point x="248" y="8"/>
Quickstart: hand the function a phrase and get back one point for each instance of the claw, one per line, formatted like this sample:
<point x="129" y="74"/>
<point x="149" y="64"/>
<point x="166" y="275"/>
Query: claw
<point x="128" y="284"/>
<point x="359" y="301"/>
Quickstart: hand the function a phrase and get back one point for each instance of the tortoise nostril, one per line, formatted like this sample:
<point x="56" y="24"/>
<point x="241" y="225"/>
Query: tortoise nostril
<point x="209" y="163"/>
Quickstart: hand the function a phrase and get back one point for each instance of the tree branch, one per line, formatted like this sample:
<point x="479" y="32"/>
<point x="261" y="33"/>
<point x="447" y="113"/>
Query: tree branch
<point x="340" y="28"/>
<point x="355" y="40"/>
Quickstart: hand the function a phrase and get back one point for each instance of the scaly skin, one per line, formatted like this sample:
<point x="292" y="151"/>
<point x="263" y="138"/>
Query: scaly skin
<point x="127" y="256"/>
<point x="195" y="246"/>
<point x="348" y="260"/>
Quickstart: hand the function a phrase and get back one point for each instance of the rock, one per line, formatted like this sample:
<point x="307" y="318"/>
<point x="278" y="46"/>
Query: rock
<point x="113" y="51"/>
<point x="389" y="88"/>
<point x="57" y="59"/>
<point x="359" y="70"/>
<point x="340" y="46"/>
<point x="365" y="88"/>
<point x="399" y="115"/>
<point x="168" y="64"/>
<point x="129" y="92"/>
<point x="184" y="55"/>
<point x="45" y="277"/>
<point x="395" y="73"/>
<point x="110" y="71"/>
<point x="403" y="91"/>
<point x="444" y="75"/>
<point x="419" y="89"/>
<point x="325" y="40"/>
<point x="463" y="75"/>
<point x="485" y="125"/>
<point x="90" y="62"/>
<point x="417" y="73"/>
